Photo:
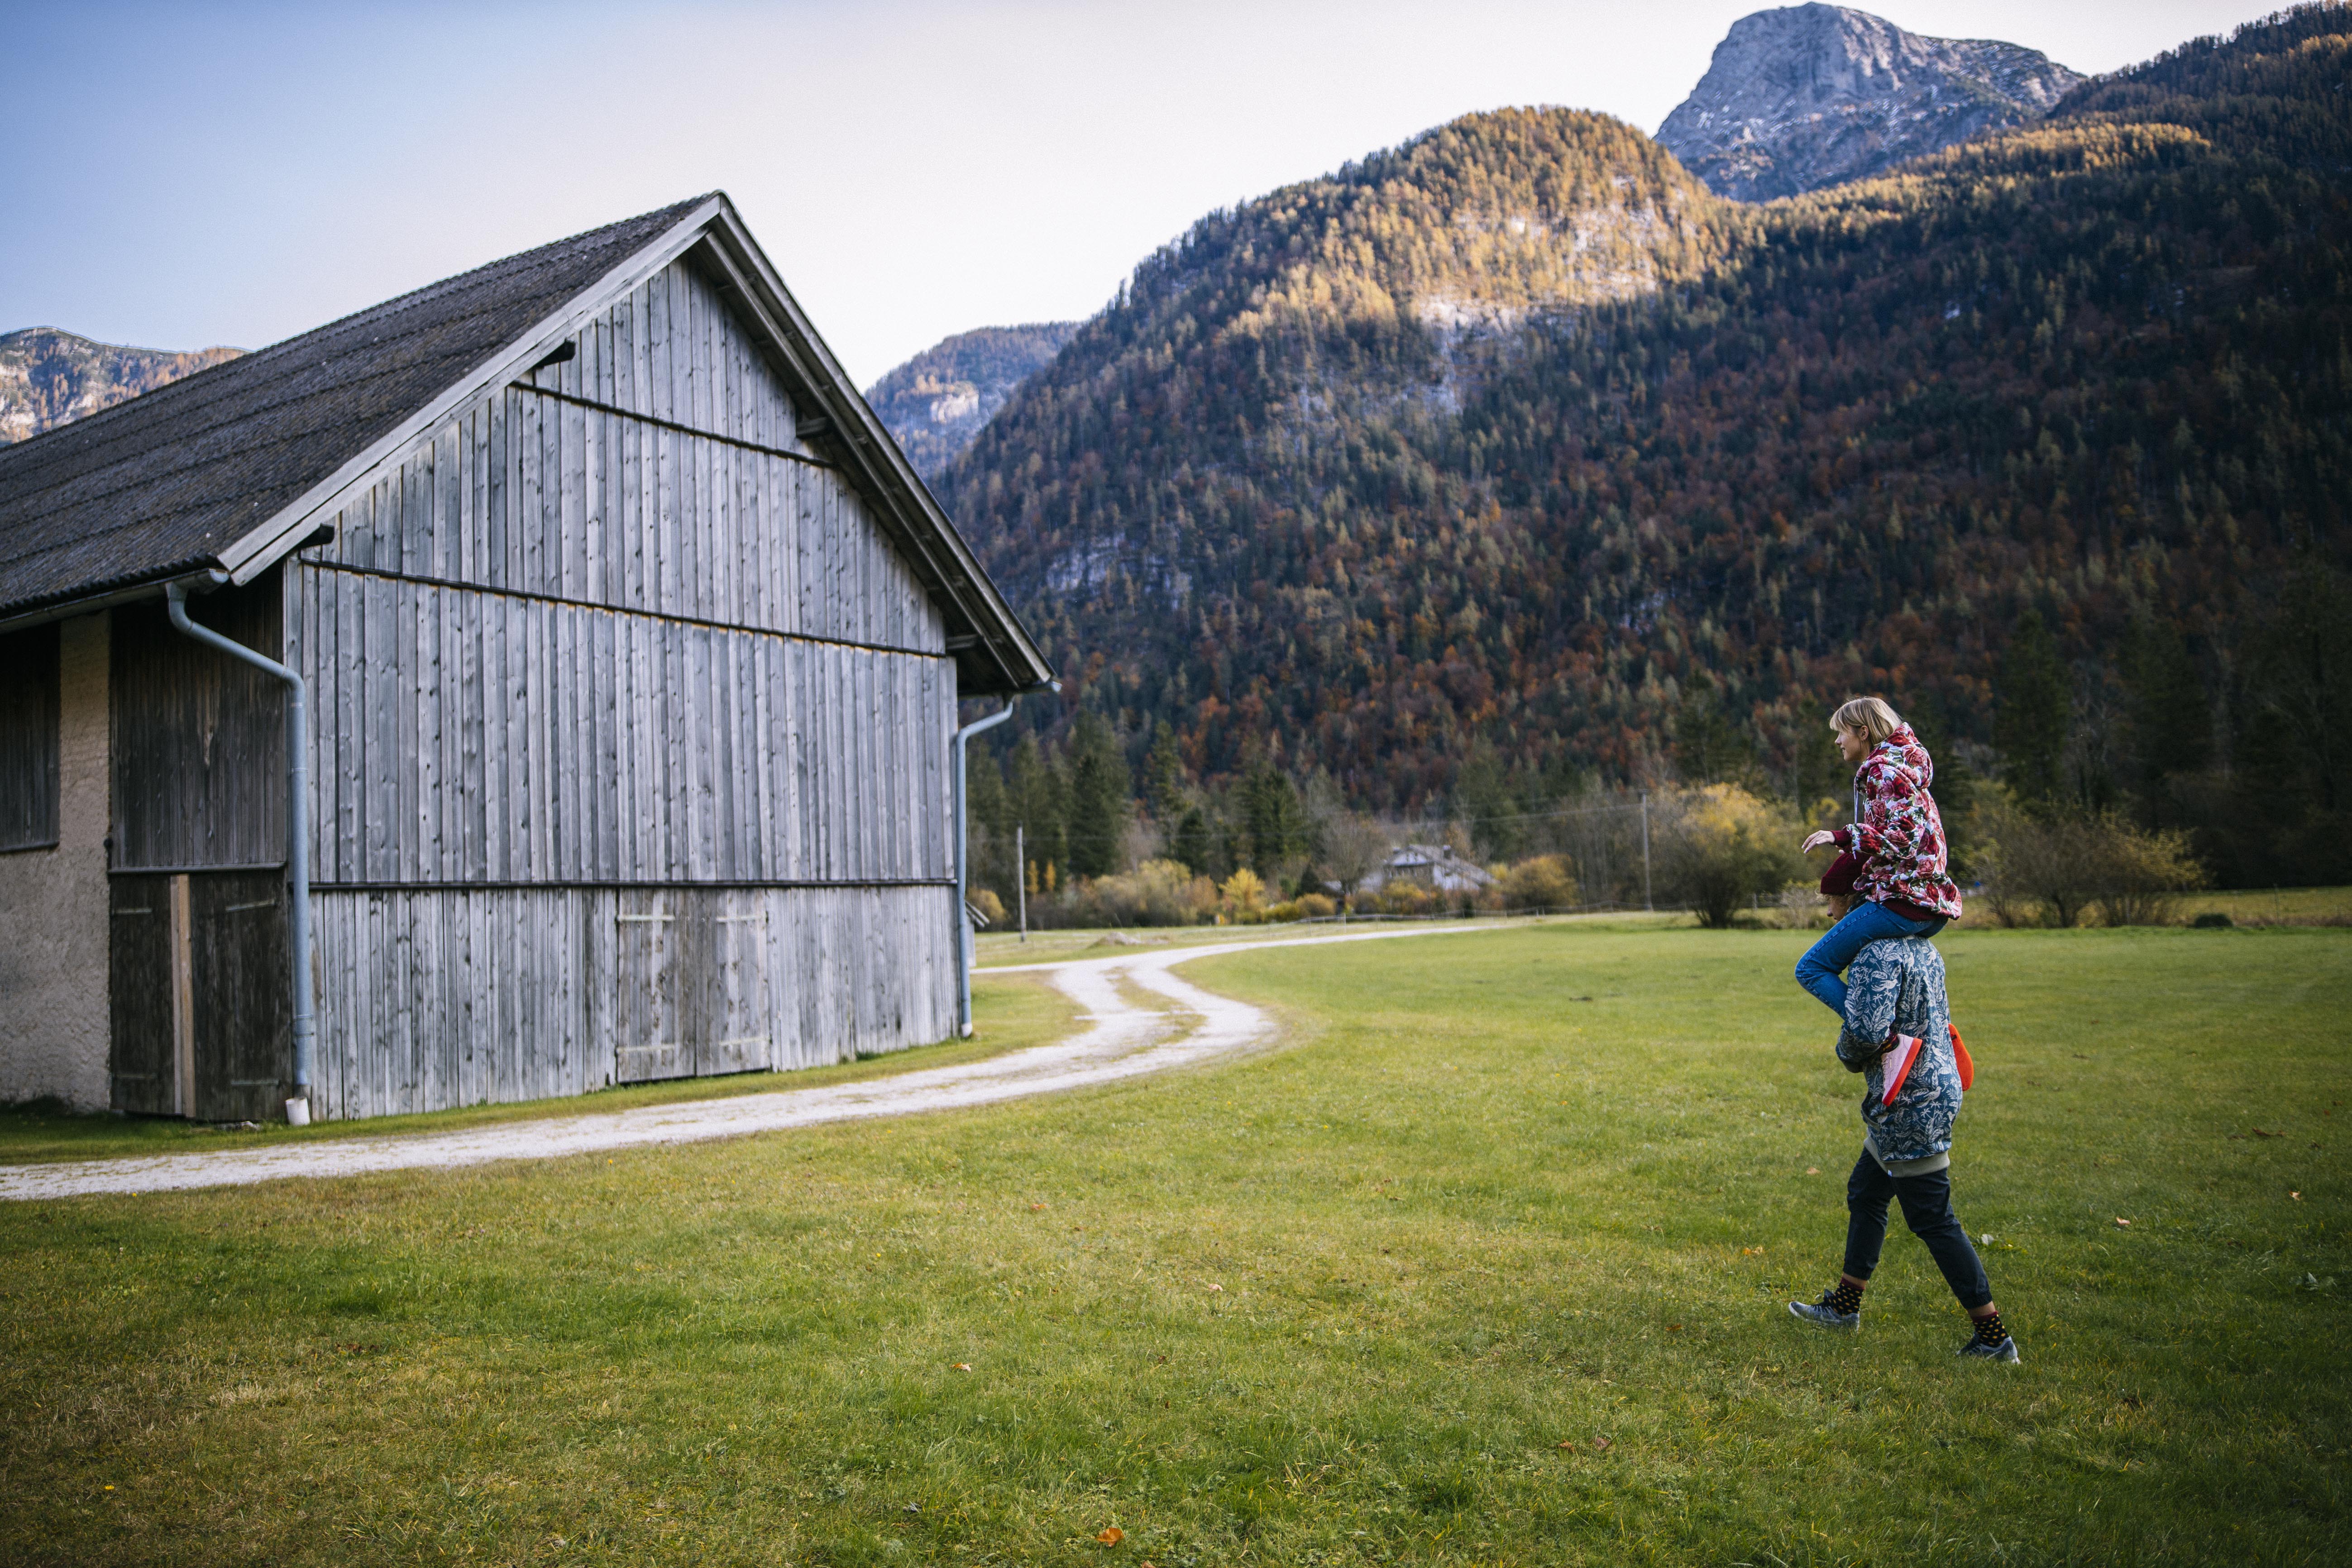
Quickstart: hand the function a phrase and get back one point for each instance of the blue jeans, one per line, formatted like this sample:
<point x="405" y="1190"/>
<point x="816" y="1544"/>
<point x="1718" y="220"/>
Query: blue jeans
<point x="1819" y="971"/>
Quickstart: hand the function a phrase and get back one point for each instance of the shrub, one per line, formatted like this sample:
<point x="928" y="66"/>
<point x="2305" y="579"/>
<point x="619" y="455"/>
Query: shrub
<point x="2142" y="875"/>
<point x="1244" y="897"/>
<point x="1156" y="893"/>
<point x="991" y="907"/>
<point x="1724" y="847"/>
<point x="2055" y="865"/>
<point x="1546" y="882"/>
<point x="2213" y="919"/>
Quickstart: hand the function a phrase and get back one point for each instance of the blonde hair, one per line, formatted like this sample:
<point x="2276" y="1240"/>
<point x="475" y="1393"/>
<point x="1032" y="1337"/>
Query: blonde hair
<point x="1868" y="716"/>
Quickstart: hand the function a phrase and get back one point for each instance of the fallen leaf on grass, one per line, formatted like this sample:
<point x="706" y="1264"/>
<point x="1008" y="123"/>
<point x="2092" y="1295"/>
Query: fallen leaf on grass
<point x="1034" y="1207"/>
<point x="1600" y="1443"/>
<point x="1673" y="1328"/>
<point x="2259" y="1133"/>
<point x="1216" y="1286"/>
<point x="1111" y="1536"/>
<point x="1751" y="1252"/>
<point x="2123" y="1224"/>
<point x="1812" y="1170"/>
<point x="964" y="1366"/>
<point x="2297" y="1196"/>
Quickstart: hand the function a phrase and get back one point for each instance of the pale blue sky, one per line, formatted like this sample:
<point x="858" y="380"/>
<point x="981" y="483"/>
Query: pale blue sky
<point x="196" y="173"/>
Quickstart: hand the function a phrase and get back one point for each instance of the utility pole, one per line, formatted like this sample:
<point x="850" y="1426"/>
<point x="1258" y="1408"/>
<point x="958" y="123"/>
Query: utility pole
<point x="1647" y="904"/>
<point x="1021" y="875"/>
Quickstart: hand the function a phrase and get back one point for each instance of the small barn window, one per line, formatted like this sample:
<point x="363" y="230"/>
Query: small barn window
<point x="29" y="738"/>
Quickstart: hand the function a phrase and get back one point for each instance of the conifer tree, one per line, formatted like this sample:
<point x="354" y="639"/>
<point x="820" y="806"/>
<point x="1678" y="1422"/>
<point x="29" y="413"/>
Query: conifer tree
<point x="2030" y="712"/>
<point x="1098" y="794"/>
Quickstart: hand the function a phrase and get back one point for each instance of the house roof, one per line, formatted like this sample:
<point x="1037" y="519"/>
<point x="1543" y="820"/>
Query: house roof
<point x="234" y="467"/>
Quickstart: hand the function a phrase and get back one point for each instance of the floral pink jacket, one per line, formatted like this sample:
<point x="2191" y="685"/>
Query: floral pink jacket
<point x="1900" y="838"/>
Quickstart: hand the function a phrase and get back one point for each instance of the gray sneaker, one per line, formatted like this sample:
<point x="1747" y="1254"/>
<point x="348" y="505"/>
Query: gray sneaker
<point x="1977" y="1350"/>
<point x="1822" y="1315"/>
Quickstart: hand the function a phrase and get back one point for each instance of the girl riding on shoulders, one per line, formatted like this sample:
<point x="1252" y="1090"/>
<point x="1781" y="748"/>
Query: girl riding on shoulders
<point x="1894" y="851"/>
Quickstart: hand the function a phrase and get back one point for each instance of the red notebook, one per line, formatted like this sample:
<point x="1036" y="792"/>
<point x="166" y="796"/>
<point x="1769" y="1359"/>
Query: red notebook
<point x="1902" y="1056"/>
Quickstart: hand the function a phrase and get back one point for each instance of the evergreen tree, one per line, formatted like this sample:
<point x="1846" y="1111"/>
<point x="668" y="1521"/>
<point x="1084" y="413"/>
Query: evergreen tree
<point x="1191" y="844"/>
<point x="1036" y="790"/>
<point x="2171" y="718"/>
<point x="1164" y="784"/>
<point x="1276" y="823"/>
<point x="1099" y="794"/>
<point x="2030" y="712"/>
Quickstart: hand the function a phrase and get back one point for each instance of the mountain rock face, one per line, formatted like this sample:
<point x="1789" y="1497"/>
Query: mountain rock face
<point x="1817" y="95"/>
<point x="936" y="403"/>
<point x="48" y="377"/>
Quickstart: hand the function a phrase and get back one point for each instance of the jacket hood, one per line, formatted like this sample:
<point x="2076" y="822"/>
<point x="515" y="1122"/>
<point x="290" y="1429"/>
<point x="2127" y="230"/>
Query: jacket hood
<point x="1902" y="750"/>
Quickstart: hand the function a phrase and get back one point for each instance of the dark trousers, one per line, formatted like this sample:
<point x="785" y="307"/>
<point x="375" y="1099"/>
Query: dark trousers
<point x="1927" y="1210"/>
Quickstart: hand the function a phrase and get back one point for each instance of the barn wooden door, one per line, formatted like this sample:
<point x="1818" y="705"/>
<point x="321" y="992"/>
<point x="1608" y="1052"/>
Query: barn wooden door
<point x="693" y="974"/>
<point x="243" y="1042"/>
<point x="736" y="1008"/>
<point x="141" y="968"/>
<point x="202" y="1023"/>
<point x="648" y="953"/>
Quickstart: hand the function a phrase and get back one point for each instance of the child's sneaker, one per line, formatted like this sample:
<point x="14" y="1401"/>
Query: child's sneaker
<point x="1823" y="1315"/>
<point x="1977" y="1350"/>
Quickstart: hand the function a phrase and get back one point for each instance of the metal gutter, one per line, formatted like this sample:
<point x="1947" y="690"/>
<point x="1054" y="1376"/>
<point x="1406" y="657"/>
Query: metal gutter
<point x="963" y="870"/>
<point x="298" y="831"/>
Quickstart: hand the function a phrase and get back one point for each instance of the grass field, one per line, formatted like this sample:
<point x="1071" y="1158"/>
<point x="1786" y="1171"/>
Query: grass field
<point x="1486" y="1267"/>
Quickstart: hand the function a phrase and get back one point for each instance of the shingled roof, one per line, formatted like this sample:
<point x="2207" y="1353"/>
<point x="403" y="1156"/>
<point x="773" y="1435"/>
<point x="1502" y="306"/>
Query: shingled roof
<point x="191" y="477"/>
<point x="158" y="486"/>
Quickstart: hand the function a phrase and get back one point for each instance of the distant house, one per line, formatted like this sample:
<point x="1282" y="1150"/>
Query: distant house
<point x="1431" y="866"/>
<point x="632" y="648"/>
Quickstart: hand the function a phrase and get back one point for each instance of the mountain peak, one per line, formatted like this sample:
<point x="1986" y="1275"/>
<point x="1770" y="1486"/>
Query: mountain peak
<point x="48" y="377"/>
<point x="1809" y="96"/>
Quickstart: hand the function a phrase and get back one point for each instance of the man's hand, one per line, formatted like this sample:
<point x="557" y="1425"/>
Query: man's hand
<point x="1816" y="840"/>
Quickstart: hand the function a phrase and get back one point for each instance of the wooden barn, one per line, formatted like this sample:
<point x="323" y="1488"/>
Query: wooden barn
<point x="630" y="649"/>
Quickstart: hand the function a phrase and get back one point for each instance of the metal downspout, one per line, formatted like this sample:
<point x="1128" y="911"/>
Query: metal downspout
<point x="297" y="836"/>
<point x="962" y="854"/>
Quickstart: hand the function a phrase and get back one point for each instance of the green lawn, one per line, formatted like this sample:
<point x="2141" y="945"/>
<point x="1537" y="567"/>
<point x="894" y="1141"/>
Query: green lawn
<point x="1380" y="1296"/>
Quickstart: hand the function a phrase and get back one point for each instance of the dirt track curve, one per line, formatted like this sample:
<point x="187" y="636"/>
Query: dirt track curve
<point x="1121" y="1039"/>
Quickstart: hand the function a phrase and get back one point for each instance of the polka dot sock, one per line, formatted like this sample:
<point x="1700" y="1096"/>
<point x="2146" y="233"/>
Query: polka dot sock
<point x="1846" y="1296"/>
<point x="1989" y="1330"/>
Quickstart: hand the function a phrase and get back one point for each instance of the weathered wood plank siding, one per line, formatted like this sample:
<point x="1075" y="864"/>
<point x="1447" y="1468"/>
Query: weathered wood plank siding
<point x="615" y="642"/>
<point x="199" y="739"/>
<point x="446" y="996"/>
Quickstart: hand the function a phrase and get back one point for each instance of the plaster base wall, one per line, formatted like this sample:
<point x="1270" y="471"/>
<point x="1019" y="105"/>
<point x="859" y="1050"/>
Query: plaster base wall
<point x="53" y="906"/>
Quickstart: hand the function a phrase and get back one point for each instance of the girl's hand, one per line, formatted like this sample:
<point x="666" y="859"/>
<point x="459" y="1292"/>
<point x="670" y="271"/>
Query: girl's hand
<point x="1816" y="841"/>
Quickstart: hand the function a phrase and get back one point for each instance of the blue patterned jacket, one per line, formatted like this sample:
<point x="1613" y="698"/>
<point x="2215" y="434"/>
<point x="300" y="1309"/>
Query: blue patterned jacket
<point x="1898" y="986"/>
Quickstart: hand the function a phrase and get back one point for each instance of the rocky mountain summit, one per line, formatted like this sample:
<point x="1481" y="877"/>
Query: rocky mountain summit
<point x="48" y="377"/>
<point x="1816" y="95"/>
<point x="936" y="403"/>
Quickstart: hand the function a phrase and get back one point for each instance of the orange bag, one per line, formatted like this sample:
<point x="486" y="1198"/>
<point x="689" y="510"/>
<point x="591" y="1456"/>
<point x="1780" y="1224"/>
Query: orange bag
<point x="1960" y="1058"/>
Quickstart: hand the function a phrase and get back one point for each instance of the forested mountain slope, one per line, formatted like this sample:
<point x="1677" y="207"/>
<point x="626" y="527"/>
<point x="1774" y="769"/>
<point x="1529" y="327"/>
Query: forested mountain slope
<point x="1515" y="437"/>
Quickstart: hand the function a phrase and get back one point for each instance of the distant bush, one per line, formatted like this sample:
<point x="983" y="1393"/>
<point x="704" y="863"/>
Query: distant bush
<point x="1546" y="882"/>
<point x="2051" y="867"/>
<point x="1156" y="893"/>
<point x="1724" y="847"/>
<point x="2213" y="919"/>
<point x="991" y="907"/>
<point x="1242" y="896"/>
